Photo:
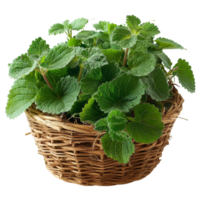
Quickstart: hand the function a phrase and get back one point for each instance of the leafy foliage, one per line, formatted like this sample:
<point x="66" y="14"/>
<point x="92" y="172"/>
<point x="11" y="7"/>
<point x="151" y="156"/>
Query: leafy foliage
<point x="115" y="77"/>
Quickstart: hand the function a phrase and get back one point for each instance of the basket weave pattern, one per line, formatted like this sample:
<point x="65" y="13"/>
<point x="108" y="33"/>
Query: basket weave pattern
<point x="73" y="152"/>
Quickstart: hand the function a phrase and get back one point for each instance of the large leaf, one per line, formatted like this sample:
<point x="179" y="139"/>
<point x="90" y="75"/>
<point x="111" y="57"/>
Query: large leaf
<point x="123" y="37"/>
<point x="147" y="126"/>
<point x="57" y="29"/>
<point x="91" y="112"/>
<point x="59" y="100"/>
<point x="185" y="75"/>
<point x="113" y="54"/>
<point x="21" y="96"/>
<point x="122" y="93"/>
<point x="165" y="59"/>
<point x="21" y="66"/>
<point x="165" y="43"/>
<point x="58" y="57"/>
<point x="73" y="42"/>
<point x="139" y="46"/>
<point x="157" y="86"/>
<point x="98" y="76"/>
<point x="118" y="150"/>
<point x="141" y="63"/>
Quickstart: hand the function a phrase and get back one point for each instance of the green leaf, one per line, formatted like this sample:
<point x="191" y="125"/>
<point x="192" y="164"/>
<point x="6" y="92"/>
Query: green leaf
<point x="97" y="77"/>
<point x="111" y="27"/>
<point x="38" y="48"/>
<point x="102" y="26"/>
<point x="118" y="150"/>
<point x="166" y="60"/>
<point x="21" y="66"/>
<point x="102" y="125"/>
<point x="113" y="54"/>
<point x="59" y="100"/>
<point x="73" y="42"/>
<point x="78" y="106"/>
<point x="139" y="46"/>
<point x="56" y="29"/>
<point x="157" y="86"/>
<point x="58" y="57"/>
<point x="79" y="23"/>
<point x="149" y="29"/>
<point x="83" y="35"/>
<point x="141" y="63"/>
<point x="133" y="22"/>
<point x="116" y="121"/>
<point x="91" y="112"/>
<point x="67" y="25"/>
<point x="122" y="93"/>
<point x="185" y="75"/>
<point x="123" y="37"/>
<point x="147" y="126"/>
<point x="92" y="58"/>
<point x="21" y="96"/>
<point x="165" y="43"/>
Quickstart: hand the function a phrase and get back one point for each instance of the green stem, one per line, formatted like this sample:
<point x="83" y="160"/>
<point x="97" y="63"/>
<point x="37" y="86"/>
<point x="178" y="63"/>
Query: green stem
<point x="171" y="71"/>
<point x="125" y="57"/>
<point x="80" y="73"/>
<point x="131" y="119"/>
<point x="45" y="78"/>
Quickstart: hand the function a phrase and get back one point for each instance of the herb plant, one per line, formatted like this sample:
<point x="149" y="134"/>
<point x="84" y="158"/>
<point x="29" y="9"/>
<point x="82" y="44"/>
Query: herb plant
<point x="115" y="77"/>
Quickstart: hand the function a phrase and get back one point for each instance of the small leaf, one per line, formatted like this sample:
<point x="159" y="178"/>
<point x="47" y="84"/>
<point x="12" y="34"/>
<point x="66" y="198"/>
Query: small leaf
<point x="147" y="126"/>
<point x="122" y="93"/>
<point x="97" y="77"/>
<point x="83" y="35"/>
<point x="165" y="59"/>
<point x="21" y="66"/>
<point x="113" y="54"/>
<point x="56" y="29"/>
<point x="139" y="46"/>
<point x="185" y="75"/>
<point x="59" y="100"/>
<point x="149" y="29"/>
<point x="133" y="22"/>
<point x="102" y="26"/>
<point x="102" y="125"/>
<point x="111" y="27"/>
<point x="118" y="150"/>
<point x="91" y="112"/>
<point x="78" y="106"/>
<point x="123" y="37"/>
<point x="78" y="24"/>
<point x="157" y="85"/>
<point x="165" y="43"/>
<point x="73" y="42"/>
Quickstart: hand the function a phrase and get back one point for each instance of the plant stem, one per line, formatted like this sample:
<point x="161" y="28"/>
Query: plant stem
<point x="126" y="53"/>
<point x="131" y="119"/>
<point x="80" y="73"/>
<point x="171" y="71"/>
<point x="45" y="78"/>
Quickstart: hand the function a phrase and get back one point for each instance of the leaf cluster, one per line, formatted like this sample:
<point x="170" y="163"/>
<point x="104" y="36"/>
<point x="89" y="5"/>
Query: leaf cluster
<point x="116" y="77"/>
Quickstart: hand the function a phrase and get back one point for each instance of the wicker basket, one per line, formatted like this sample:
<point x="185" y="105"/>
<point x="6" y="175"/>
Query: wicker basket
<point x="73" y="152"/>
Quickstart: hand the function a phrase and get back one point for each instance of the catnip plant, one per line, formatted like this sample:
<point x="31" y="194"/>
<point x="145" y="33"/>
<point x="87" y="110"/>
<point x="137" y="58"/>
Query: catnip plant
<point x="115" y="77"/>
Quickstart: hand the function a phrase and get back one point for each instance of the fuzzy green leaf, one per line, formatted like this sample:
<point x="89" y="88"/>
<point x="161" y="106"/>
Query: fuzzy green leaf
<point x="113" y="54"/>
<point x="157" y="86"/>
<point x="141" y="63"/>
<point x="58" y="57"/>
<point x="111" y="27"/>
<point x="165" y="43"/>
<point x="92" y="58"/>
<point x="78" y="106"/>
<point x="102" y="125"/>
<point x="21" y="66"/>
<point x="139" y="46"/>
<point x="21" y="96"/>
<point x="83" y="35"/>
<point x="73" y="42"/>
<point x="91" y="112"/>
<point x="61" y="99"/>
<point x="102" y="26"/>
<point x="133" y="22"/>
<point x="78" y="24"/>
<point x="97" y="77"/>
<point x="123" y="37"/>
<point x="147" y="126"/>
<point x="116" y="121"/>
<point x="118" y="150"/>
<point x="185" y="75"/>
<point x="38" y="48"/>
<point x="56" y="29"/>
<point x="122" y="93"/>
<point x="165" y="59"/>
<point x="149" y="29"/>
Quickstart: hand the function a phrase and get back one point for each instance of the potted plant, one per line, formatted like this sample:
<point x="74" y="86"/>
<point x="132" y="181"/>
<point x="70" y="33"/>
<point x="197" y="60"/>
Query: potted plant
<point x="102" y="104"/>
